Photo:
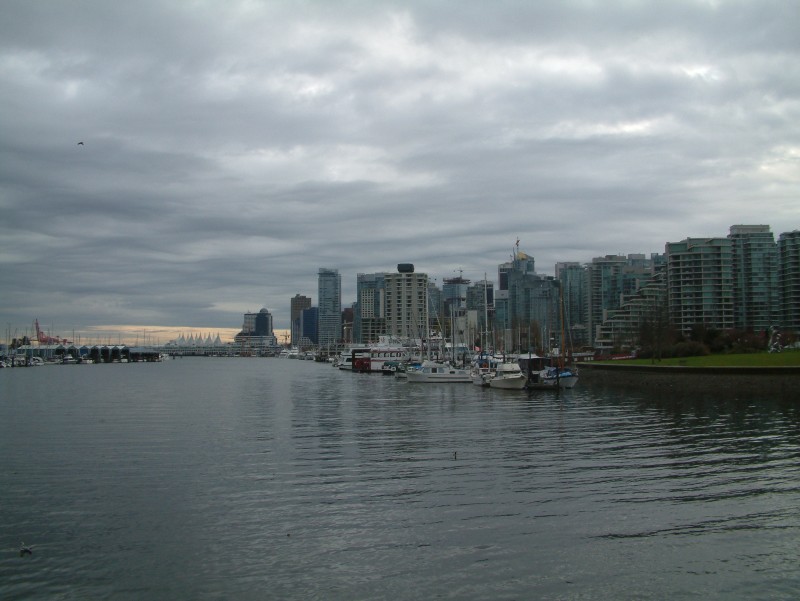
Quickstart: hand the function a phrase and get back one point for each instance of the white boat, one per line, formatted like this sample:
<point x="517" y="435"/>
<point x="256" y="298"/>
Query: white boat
<point x="543" y="375"/>
<point x="558" y="377"/>
<point x="508" y="376"/>
<point x="482" y="370"/>
<point x="345" y="362"/>
<point x="401" y="373"/>
<point x="372" y="358"/>
<point x="431" y="372"/>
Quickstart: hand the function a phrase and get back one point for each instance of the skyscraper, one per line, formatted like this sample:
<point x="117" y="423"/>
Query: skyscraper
<point x="330" y="306"/>
<point x="308" y="327"/>
<point x="533" y="307"/>
<point x="406" y="303"/>
<point x="755" y="277"/>
<point x="572" y="278"/>
<point x="369" y="316"/>
<point x="263" y="323"/>
<point x="480" y="298"/>
<point x="298" y="304"/>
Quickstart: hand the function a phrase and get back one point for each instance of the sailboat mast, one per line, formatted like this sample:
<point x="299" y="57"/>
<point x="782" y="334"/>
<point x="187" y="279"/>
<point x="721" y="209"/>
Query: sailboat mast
<point x="485" y="315"/>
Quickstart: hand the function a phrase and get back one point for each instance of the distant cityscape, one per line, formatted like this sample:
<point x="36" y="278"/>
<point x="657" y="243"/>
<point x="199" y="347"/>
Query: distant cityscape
<point x="744" y="286"/>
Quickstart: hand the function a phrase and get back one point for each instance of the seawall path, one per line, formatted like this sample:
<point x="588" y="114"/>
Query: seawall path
<point x="781" y="381"/>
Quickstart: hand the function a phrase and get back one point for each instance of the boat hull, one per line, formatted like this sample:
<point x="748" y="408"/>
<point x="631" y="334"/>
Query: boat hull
<point x="434" y="373"/>
<point x="508" y="382"/>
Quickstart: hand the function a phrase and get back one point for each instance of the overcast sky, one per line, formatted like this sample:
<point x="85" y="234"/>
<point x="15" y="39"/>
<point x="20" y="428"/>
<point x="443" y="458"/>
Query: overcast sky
<point x="230" y="149"/>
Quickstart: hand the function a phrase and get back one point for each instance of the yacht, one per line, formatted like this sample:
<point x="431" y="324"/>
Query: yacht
<point x="431" y="372"/>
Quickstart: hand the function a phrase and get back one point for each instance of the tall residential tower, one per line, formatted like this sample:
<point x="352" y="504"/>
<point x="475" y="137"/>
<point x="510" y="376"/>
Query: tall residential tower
<point x="330" y="307"/>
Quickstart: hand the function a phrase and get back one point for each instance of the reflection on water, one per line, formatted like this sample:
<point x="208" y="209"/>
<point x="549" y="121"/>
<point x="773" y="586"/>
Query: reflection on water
<point x="249" y="478"/>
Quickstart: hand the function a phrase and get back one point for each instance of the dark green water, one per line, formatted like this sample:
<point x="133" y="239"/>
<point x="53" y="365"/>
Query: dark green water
<point x="282" y="479"/>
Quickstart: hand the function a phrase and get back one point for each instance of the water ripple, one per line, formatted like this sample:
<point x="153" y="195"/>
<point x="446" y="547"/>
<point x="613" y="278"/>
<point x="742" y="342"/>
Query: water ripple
<point x="210" y="479"/>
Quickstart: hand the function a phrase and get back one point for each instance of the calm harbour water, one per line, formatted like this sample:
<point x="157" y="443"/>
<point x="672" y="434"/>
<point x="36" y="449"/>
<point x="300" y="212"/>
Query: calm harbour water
<point x="282" y="479"/>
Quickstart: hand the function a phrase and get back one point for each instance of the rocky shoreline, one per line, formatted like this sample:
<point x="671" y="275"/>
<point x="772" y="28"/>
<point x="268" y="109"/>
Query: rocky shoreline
<point x="781" y="381"/>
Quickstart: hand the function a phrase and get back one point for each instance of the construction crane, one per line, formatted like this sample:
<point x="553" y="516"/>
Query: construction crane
<point x="45" y="339"/>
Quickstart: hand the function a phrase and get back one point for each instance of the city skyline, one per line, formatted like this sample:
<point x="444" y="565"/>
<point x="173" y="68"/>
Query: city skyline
<point x="283" y="332"/>
<point x="210" y="171"/>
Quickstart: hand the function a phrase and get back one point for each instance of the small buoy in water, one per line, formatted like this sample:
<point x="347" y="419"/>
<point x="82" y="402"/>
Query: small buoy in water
<point x="23" y="550"/>
<point x="455" y="455"/>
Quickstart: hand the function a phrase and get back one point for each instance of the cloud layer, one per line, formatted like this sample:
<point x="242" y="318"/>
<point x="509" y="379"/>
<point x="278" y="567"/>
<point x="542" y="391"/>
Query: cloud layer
<point x="231" y="149"/>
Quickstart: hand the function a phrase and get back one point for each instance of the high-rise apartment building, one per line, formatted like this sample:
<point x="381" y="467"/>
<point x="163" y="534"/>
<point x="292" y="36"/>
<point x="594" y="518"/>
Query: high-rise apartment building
<point x="435" y="306"/>
<point x="480" y="298"/>
<point x="454" y="292"/>
<point x="406" y="303"/>
<point x="257" y="334"/>
<point x="502" y="275"/>
<point x="329" y="284"/>
<point x="754" y="263"/>
<point x="572" y="278"/>
<point x="700" y="283"/>
<point x="533" y="314"/>
<point x="610" y="280"/>
<point x="298" y="304"/>
<point x="643" y="312"/>
<point x="309" y="321"/>
<point x="369" y="315"/>
<point x="789" y="279"/>
<point x="257" y="324"/>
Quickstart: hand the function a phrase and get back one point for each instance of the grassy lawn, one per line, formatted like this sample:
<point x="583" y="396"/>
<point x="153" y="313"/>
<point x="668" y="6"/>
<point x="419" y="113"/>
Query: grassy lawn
<point x="786" y="358"/>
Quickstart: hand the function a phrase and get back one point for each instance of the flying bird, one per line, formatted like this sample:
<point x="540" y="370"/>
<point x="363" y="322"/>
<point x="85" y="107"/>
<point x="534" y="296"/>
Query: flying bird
<point x="80" y="144"/>
<point x="23" y="550"/>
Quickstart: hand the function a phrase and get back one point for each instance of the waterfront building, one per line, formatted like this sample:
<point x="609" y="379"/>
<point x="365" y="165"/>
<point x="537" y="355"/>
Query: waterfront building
<point x="257" y="324"/>
<point x="454" y="318"/>
<point x="533" y="307"/>
<point x="700" y="283"/>
<point x="406" y="303"/>
<point x="309" y="323"/>
<point x="263" y="323"/>
<point x="330" y="307"/>
<point x="480" y="299"/>
<point x="454" y="292"/>
<point x="610" y="280"/>
<point x="642" y="314"/>
<point x="299" y="303"/>
<point x="502" y="321"/>
<point x="249" y="323"/>
<point x="257" y="333"/>
<point x="347" y="324"/>
<point x="754" y="263"/>
<point x="369" y="315"/>
<point x="435" y="307"/>
<point x="502" y="275"/>
<point x="789" y="280"/>
<point x="572" y="278"/>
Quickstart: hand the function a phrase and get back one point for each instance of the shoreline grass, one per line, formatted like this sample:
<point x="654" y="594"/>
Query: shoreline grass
<point x="787" y="358"/>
